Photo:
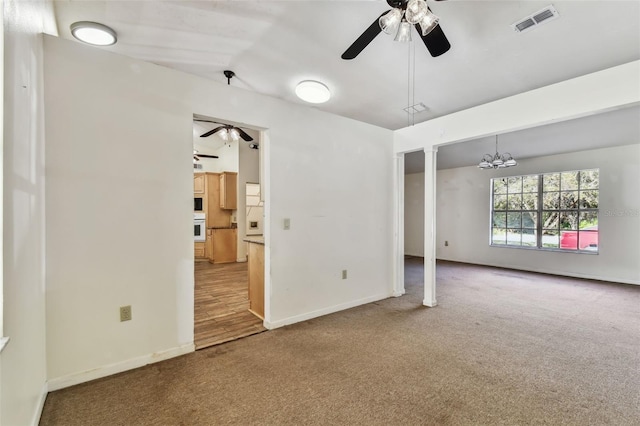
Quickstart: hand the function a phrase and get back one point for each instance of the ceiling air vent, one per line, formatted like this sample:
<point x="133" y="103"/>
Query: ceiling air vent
<point x="197" y="166"/>
<point x="547" y="14"/>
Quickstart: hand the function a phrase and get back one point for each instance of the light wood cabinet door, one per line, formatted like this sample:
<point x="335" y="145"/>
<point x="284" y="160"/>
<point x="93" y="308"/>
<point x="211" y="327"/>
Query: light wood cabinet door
<point x="229" y="190"/>
<point x="199" y="186"/>
<point x="217" y="217"/>
<point x="256" y="279"/>
<point x="199" y="250"/>
<point x="208" y="245"/>
<point x="224" y="245"/>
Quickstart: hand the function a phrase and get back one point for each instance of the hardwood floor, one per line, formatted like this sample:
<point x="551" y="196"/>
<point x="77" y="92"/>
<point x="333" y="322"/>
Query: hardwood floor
<point x="222" y="304"/>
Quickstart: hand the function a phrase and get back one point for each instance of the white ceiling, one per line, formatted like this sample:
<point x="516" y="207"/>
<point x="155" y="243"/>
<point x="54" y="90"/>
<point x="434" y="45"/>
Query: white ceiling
<point x="615" y="128"/>
<point x="273" y="45"/>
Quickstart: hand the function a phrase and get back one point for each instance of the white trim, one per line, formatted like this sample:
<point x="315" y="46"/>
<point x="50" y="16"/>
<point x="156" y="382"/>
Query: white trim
<point x="43" y="397"/>
<point x="550" y="272"/>
<point x="430" y="163"/>
<point x="119" y="367"/>
<point x="324" y="311"/>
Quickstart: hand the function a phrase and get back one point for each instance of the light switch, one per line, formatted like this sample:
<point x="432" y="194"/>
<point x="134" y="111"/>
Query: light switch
<point x="287" y="224"/>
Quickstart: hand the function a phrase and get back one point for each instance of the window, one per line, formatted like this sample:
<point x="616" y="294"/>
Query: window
<point x="555" y="211"/>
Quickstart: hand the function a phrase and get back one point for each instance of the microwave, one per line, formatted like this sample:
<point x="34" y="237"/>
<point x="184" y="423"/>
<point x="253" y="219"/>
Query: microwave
<point x="197" y="204"/>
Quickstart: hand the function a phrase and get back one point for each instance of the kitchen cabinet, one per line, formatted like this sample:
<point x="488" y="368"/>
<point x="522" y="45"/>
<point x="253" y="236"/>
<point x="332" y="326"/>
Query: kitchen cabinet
<point x="256" y="278"/>
<point x="224" y="245"/>
<point x="199" y="250"/>
<point x="217" y="217"/>
<point x="199" y="186"/>
<point x="228" y="190"/>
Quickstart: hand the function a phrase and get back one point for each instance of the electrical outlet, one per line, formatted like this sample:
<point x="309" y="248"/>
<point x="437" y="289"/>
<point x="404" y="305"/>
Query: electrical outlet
<point x="446" y="243"/>
<point x="287" y="224"/>
<point x="344" y="274"/>
<point x="125" y="313"/>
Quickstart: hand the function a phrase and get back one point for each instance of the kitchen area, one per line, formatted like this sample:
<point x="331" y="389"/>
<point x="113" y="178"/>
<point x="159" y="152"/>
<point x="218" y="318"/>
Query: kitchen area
<point x="228" y="239"/>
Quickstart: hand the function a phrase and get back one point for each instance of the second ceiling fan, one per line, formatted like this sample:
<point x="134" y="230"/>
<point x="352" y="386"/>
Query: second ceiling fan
<point x="398" y="21"/>
<point x="226" y="131"/>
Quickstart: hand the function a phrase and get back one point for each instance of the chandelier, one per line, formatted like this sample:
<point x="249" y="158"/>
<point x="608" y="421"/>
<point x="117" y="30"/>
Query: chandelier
<point x="398" y="20"/>
<point x="497" y="161"/>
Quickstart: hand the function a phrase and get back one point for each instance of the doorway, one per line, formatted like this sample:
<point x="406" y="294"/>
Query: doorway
<point x="222" y="166"/>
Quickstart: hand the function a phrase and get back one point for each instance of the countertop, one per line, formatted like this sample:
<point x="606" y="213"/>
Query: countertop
<point x="257" y="239"/>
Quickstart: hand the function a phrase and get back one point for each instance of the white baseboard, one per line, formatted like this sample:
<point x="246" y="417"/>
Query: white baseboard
<point x="325" y="311"/>
<point x="43" y="397"/>
<point x="549" y="271"/>
<point x="119" y="367"/>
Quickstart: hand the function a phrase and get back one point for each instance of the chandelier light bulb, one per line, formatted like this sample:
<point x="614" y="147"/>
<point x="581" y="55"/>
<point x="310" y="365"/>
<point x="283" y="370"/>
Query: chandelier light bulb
<point x="389" y="21"/>
<point x="416" y="10"/>
<point x="428" y="23"/>
<point x="404" y="32"/>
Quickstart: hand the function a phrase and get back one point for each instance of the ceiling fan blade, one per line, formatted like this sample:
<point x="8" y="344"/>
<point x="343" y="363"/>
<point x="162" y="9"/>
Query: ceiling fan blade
<point x="210" y="132"/>
<point x="244" y="135"/>
<point x="207" y="156"/>
<point x="363" y="41"/>
<point x="435" y="41"/>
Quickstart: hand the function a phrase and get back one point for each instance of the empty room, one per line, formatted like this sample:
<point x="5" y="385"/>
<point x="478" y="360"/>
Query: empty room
<point x="421" y="212"/>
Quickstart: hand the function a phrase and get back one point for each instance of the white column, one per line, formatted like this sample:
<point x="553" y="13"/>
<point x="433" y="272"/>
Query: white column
<point x="430" y="155"/>
<point x="398" y="255"/>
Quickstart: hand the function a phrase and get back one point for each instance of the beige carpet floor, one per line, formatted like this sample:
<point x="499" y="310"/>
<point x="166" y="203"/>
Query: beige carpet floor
<point x="502" y="348"/>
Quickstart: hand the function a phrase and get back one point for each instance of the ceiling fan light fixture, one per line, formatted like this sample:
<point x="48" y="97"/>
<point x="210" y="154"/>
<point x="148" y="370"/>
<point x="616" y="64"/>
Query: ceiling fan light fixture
<point x="313" y="92"/>
<point x="416" y="10"/>
<point x="224" y="134"/>
<point x="234" y="135"/>
<point x="404" y="32"/>
<point x="93" y="33"/>
<point x="389" y="21"/>
<point x="428" y="23"/>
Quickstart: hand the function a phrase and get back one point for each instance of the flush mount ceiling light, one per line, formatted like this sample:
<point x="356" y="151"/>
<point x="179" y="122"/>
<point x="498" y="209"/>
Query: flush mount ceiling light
<point x="93" y="33"/>
<point x="313" y="92"/>
<point x="497" y="161"/>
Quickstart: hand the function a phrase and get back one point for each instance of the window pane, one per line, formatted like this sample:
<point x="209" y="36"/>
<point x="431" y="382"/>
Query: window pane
<point x="515" y="202"/>
<point x="529" y="237"/>
<point x="529" y="220"/>
<point x="550" y="238"/>
<point x="514" y="184"/>
<point x="589" y="220"/>
<point x="569" y="220"/>
<point x="499" y="220"/>
<point x="530" y="201"/>
<point x="569" y="181"/>
<point x="589" y="179"/>
<point x="499" y="236"/>
<point x="499" y="202"/>
<point x="589" y="199"/>
<point x="514" y="220"/>
<point x="499" y="186"/>
<point x="514" y="238"/>
<point x="551" y="200"/>
<point x="569" y="200"/>
<point x="530" y="183"/>
<point x="550" y="220"/>
<point x="551" y="182"/>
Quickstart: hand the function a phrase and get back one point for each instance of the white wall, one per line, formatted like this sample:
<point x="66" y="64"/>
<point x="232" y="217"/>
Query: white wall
<point x="249" y="172"/>
<point x="414" y="214"/>
<point x="463" y="211"/>
<point x="23" y="362"/>
<point x="118" y="233"/>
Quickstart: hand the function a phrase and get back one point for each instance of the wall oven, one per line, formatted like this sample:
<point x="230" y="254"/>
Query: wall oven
<point x="199" y="227"/>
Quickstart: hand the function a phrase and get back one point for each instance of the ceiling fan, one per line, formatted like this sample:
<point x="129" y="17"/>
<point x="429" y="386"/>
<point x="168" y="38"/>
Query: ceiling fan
<point x="226" y="131"/>
<point x="398" y="21"/>
<point x="197" y="156"/>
